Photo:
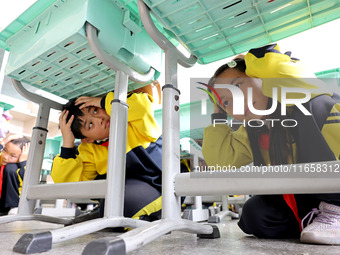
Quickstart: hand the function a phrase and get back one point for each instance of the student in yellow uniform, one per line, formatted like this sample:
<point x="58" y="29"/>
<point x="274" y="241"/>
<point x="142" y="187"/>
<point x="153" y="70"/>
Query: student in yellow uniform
<point x="13" y="157"/>
<point x="88" y="118"/>
<point x="315" y="138"/>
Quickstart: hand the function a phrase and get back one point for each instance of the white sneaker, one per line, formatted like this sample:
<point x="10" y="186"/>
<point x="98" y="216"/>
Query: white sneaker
<point x="13" y="211"/>
<point x="325" y="228"/>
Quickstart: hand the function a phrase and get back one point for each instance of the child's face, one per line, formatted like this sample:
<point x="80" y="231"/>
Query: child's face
<point x="10" y="154"/>
<point x="241" y="80"/>
<point x="96" y="123"/>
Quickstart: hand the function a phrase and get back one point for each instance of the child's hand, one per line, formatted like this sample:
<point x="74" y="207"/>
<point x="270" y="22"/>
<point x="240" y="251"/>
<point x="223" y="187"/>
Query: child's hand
<point x="85" y="101"/>
<point x="9" y="138"/>
<point x="24" y="152"/>
<point x="66" y="132"/>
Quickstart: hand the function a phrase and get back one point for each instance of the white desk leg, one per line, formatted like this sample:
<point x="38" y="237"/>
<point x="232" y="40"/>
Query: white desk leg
<point x="198" y="214"/>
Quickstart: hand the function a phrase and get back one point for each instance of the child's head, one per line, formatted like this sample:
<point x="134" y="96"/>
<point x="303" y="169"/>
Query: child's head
<point x="280" y="139"/>
<point x="90" y="123"/>
<point x="12" y="150"/>
<point x="233" y="73"/>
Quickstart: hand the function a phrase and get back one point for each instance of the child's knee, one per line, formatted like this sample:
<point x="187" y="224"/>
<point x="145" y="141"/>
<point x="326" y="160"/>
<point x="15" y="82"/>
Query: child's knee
<point x="251" y="221"/>
<point x="265" y="217"/>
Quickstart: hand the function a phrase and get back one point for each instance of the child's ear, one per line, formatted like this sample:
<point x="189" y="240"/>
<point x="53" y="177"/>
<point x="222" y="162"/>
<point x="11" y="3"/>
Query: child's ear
<point x="87" y="140"/>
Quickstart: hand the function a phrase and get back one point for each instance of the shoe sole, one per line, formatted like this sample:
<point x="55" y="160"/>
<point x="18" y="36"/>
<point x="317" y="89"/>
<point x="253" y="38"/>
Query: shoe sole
<point x="312" y="238"/>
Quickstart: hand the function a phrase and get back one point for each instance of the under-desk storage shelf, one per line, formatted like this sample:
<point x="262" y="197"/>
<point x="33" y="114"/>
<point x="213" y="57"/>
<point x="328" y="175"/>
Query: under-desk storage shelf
<point x="217" y="29"/>
<point x="49" y="49"/>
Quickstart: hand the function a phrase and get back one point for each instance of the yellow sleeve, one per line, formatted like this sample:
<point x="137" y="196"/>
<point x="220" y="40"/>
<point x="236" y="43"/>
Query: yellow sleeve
<point x="141" y="116"/>
<point x="66" y="170"/>
<point x="280" y="70"/>
<point x="142" y="126"/>
<point x="91" y="161"/>
<point x="223" y="147"/>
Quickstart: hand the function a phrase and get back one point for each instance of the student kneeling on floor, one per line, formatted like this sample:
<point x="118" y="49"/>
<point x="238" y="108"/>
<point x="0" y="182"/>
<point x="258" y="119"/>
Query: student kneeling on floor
<point x="88" y="118"/>
<point x="316" y="138"/>
<point x="13" y="157"/>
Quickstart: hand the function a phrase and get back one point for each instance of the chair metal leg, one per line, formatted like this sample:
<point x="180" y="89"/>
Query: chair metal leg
<point x="143" y="235"/>
<point x="34" y="161"/>
<point x="171" y="207"/>
<point x="224" y="213"/>
<point x="41" y="242"/>
<point x="219" y="216"/>
<point x="115" y="183"/>
<point x="198" y="214"/>
<point x="43" y="218"/>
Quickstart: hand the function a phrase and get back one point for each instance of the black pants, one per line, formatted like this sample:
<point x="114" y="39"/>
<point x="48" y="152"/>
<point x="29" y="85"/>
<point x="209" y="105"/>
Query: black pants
<point x="138" y="194"/>
<point x="10" y="188"/>
<point x="268" y="216"/>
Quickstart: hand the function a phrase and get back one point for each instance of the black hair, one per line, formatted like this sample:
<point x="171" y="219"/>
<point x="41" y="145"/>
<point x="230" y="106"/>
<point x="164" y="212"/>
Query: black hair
<point x="77" y="113"/>
<point x="20" y="141"/>
<point x="240" y="66"/>
<point x="280" y="139"/>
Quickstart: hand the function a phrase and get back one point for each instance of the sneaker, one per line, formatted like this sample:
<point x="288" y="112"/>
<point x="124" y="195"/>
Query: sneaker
<point x="325" y="228"/>
<point x="13" y="211"/>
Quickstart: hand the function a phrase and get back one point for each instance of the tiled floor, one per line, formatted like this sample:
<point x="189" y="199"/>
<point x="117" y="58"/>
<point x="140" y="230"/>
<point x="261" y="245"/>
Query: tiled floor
<point x="232" y="241"/>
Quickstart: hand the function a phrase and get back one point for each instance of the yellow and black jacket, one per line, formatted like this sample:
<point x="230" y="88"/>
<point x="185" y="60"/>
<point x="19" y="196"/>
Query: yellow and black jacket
<point x="12" y="178"/>
<point x="143" y="152"/>
<point x="318" y="136"/>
